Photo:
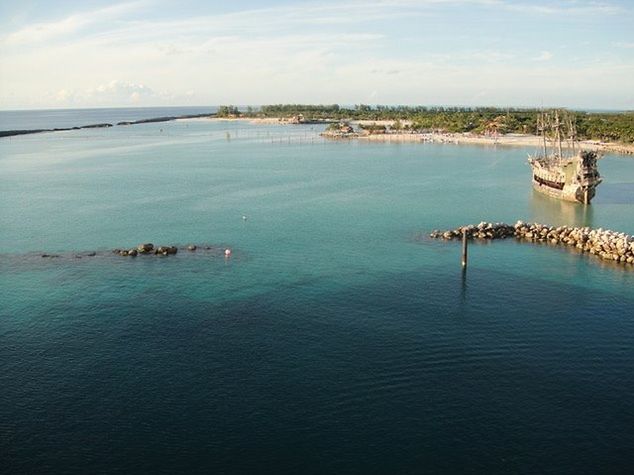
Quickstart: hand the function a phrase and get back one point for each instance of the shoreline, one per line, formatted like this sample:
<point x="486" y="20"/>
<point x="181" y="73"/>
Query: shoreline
<point x="509" y="140"/>
<point x="454" y="138"/>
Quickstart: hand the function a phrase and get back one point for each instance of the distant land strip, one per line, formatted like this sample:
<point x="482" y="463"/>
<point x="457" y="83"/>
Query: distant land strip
<point x="612" y="131"/>
<point x="10" y="133"/>
<point x="166" y="119"/>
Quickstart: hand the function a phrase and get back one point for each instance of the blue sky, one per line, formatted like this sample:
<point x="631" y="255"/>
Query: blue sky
<point x="572" y="53"/>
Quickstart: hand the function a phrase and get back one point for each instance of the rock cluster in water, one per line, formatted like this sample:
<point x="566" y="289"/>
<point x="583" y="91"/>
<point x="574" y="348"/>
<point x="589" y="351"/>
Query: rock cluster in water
<point x="606" y="244"/>
<point x="148" y="248"/>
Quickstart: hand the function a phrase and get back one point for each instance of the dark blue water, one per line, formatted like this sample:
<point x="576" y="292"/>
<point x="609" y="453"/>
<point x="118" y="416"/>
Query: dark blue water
<point x="336" y="339"/>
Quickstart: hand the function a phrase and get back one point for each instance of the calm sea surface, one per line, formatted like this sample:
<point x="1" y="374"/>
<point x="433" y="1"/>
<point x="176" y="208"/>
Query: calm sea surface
<point x="336" y="339"/>
<point x="62" y="118"/>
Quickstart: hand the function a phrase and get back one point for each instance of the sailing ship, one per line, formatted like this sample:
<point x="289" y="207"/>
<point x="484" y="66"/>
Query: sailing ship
<point x="563" y="170"/>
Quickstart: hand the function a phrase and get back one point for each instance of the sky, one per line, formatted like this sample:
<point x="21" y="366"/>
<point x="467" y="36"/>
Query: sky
<point x="92" y="53"/>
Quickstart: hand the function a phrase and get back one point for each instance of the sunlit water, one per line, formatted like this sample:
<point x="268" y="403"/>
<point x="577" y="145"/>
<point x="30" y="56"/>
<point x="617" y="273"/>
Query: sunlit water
<point x="336" y="339"/>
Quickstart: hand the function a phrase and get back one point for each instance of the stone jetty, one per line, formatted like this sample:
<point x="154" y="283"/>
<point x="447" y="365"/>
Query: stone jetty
<point x="603" y="243"/>
<point x="10" y="133"/>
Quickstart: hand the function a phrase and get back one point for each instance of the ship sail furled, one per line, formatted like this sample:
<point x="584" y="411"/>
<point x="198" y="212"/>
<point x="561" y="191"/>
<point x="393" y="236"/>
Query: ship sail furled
<point x="562" y="169"/>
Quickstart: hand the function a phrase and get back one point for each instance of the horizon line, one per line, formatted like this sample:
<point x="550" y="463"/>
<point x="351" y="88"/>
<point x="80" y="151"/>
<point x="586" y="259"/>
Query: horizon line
<point x="345" y="106"/>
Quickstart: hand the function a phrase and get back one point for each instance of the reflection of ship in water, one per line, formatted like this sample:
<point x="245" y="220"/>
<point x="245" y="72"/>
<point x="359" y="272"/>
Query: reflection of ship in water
<point x="564" y="171"/>
<point x="559" y="212"/>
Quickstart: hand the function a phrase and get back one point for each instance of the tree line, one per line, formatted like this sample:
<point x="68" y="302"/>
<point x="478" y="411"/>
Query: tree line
<point x="604" y="126"/>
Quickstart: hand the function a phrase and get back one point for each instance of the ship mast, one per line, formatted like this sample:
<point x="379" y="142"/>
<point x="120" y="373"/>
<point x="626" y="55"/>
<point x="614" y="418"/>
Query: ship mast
<point x="573" y="133"/>
<point x="541" y="124"/>
<point x="558" y="127"/>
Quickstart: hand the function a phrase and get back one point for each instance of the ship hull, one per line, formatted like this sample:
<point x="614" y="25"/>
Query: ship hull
<point x="573" y="179"/>
<point x="564" y="173"/>
<point x="572" y="193"/>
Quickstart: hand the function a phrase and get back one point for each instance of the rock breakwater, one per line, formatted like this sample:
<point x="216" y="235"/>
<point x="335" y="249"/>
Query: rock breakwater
<point x="145" y="249"/>
<point x="603" y="243"/>
<point x="10" y="133"/>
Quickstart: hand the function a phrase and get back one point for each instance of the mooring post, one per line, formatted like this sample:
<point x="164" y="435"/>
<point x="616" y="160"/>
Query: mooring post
<point x="464" y="248"/>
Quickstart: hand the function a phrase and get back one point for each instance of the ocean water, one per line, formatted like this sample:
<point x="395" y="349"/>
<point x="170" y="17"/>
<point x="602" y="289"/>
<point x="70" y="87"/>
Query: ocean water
<point x="337" y="338"/>
<point x="64" y="118"/>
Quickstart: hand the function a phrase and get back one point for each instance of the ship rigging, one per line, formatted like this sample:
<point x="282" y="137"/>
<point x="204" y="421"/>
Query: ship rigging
<point x="562" y="169"/>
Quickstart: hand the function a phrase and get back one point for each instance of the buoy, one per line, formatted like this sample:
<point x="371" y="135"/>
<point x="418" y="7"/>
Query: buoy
<point x="227" y="252"/>
<point x="244" y="218"/>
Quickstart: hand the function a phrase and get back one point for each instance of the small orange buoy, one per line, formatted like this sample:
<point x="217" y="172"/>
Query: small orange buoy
<point x="227" y="252"/>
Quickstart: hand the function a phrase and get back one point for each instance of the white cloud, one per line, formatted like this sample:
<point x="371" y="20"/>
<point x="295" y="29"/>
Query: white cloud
<point x="47" y="31"/>
<point x="117" y="93"/>
<point x="563" y="8"/>
<point x="275" y="54"/>
<point x="271" y="19"/>
<point x="544" y="56"/>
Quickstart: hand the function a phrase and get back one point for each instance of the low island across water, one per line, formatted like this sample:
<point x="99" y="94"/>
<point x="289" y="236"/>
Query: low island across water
<point x="603" y="131"/>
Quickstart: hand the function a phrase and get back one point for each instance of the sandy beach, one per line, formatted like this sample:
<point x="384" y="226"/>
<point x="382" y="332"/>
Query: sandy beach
<point x="250" y="120"/>
<point x="508" y="140"/>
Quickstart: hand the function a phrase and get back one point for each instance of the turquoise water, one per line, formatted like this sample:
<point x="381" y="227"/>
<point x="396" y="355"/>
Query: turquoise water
<point x="337" y="338"/>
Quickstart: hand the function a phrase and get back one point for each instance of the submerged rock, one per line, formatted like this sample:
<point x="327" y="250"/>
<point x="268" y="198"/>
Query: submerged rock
<point x="166" y="250"/>
<point x="145" y="248"/>
<point x="86" y="254"/>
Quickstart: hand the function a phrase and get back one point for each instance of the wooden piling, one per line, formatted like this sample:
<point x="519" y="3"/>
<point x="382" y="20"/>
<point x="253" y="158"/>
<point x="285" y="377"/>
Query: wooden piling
<point x="464" y="248"/>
